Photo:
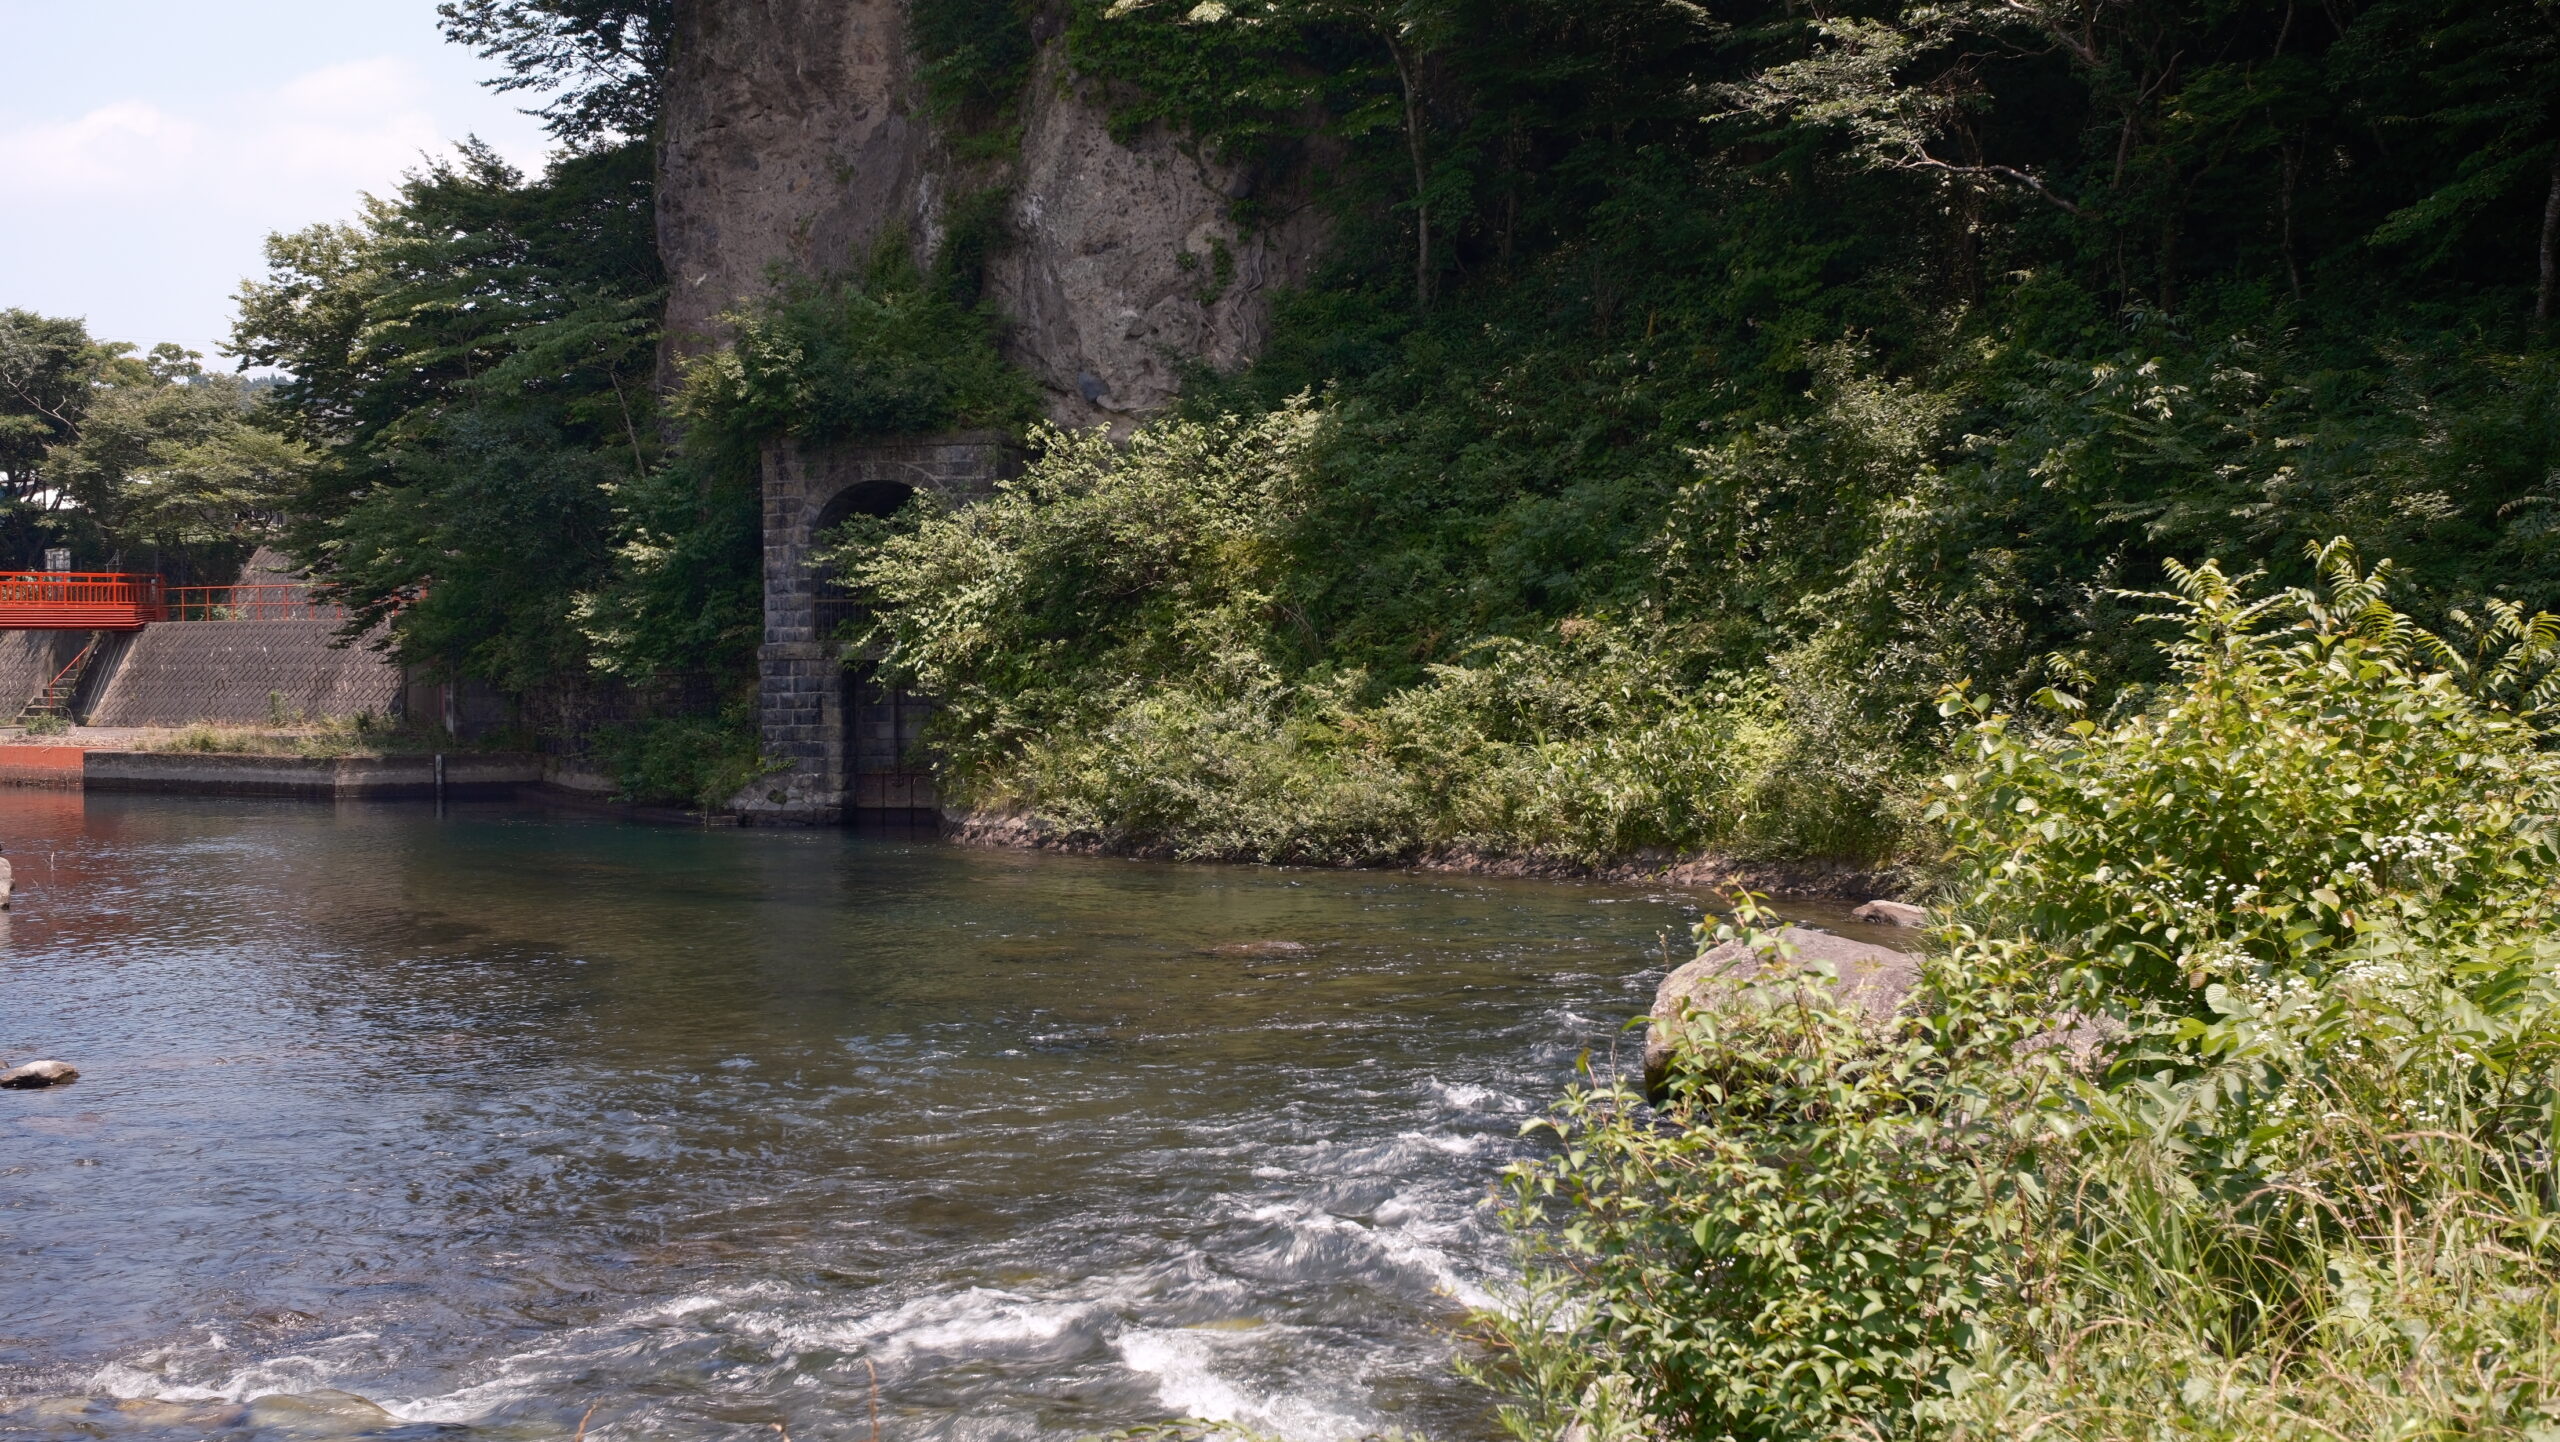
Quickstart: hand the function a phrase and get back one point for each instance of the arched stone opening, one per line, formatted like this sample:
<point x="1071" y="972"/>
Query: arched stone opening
<point x="875" y="498"/>
<point x="847" y="743"/>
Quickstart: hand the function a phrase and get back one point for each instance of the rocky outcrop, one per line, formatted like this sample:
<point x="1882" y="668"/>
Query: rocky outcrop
<point x="792" y="138"/>
<point x="1126" y="263"/>
<point x="1874" y="979"/>
<point x="796" y="136"/>
<point x="35" y="1074"/>
<point x="1892" y="913"/>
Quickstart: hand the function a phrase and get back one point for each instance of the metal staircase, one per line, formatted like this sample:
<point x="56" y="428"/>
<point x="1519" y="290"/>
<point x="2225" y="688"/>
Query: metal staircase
<point x="63" y="690"/>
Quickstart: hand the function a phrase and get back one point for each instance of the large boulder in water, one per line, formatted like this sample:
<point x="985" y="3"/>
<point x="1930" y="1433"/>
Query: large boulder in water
<point x="39" y="1074"/>
<point x="1892" y="913"/>
<point x="1874" y="979"/>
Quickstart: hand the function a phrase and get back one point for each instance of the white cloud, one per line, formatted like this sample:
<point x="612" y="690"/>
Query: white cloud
<point x="314" y="141"/>
<point x="358" y="87"/>
<point x="143" y="213"/>
<point x="114" y="147"/>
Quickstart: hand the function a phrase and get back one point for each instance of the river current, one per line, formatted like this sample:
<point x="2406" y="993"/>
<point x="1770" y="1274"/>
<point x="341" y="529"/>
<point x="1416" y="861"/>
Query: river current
<point x="490" y="1118"/>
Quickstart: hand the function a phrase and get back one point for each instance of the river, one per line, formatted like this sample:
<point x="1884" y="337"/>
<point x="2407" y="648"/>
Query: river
<point x="494" y="1117"/>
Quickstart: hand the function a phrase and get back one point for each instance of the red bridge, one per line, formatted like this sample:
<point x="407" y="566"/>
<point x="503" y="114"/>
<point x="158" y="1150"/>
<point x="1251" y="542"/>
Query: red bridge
<point x="80" y="601"/>
<point x="129" y="601"/>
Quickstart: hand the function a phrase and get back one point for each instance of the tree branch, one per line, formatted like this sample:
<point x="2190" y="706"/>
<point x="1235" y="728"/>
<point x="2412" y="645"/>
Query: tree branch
<point x="1923" y="160"/>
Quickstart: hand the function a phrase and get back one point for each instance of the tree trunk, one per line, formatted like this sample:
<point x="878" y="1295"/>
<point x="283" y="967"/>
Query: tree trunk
<point x="2292" y="172"/>
<point x="2550" y="245"/>
<point x="1421" y="179"/>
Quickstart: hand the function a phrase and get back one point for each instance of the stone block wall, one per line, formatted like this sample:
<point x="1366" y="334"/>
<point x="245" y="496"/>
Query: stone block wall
<point x="175" y="673"/>
<point x="811" y="710"/>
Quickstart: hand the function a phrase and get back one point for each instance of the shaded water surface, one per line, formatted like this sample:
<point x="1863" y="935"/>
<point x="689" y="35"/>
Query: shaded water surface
<point x="492" y="1117"/>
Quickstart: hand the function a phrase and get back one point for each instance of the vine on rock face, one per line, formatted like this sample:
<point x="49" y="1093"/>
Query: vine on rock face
<point x="885" y="353"/>
<point x="976" y="56"/>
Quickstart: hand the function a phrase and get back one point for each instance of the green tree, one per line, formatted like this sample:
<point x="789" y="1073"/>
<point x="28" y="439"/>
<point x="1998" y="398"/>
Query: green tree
<point x="603" y="62"/>
<point x="474" y="362"/>
<point x="185" y="464"/>
<point x="49" y="372"/>
<point x="146" y="457"/>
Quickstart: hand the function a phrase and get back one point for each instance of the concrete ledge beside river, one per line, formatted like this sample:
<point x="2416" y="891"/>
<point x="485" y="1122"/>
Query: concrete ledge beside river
<point x="475" y="774"/>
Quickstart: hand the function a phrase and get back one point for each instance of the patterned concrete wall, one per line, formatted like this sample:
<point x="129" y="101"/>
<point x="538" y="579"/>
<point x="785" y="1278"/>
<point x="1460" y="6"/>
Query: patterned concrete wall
<point x="810" y="709"/>
<point x="173" y="673"/>
<point x="29" y="659"/>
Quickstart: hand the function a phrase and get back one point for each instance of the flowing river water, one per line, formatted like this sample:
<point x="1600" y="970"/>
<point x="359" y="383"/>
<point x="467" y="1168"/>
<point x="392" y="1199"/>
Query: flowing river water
<point x="489" y="1118"/>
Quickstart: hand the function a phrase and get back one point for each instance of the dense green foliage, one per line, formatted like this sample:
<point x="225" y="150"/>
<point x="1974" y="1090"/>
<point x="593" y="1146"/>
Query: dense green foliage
<point x="1851" y="353"/>
<point x="1100" y="635"/>
<point x="475" y="360"/>
<point x="144" y="461"/>
<point x="974" y="57"/>
<point x="890" y="352"/>
<point x="694" y="760"/>
<point x="2225" y="1107"/>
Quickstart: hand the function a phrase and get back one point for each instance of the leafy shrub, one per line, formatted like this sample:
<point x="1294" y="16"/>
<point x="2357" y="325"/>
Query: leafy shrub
<point x="694" y="761"/>
<point x="1113" y="647"/>
<point x="2297" y="790"/>
<point x="2225" y="1108"/>
<point x="976" y="55"/>
<point x="886" y="353"/>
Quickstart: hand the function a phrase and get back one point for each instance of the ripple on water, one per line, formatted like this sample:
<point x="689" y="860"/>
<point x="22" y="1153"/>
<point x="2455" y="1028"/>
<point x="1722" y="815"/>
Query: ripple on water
<point x="496" y="1117"/>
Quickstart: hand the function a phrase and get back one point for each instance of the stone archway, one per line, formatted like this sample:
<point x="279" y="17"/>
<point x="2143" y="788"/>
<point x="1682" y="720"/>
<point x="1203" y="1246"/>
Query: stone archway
<point x="833" y="605"/>
<point x="815" y="714"/>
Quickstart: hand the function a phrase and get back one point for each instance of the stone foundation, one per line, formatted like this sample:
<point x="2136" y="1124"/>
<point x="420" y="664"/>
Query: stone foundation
<point x="847" y="742"/>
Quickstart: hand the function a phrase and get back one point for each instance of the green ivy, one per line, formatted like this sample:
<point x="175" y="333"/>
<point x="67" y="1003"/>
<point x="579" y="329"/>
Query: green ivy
<point x="888" y="353"/>
<point x="976" y="56"/>
<point x="1239" y="80"/>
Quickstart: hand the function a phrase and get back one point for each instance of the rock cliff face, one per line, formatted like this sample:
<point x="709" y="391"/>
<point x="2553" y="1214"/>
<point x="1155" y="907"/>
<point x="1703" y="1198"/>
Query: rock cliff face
<point x="795" y="135"/>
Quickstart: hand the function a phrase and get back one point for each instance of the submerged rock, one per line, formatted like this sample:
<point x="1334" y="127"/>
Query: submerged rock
<point x="312" y="1415"/>
<point x="316" y="1414"/>
<point x="118" y="1416"/>
<point x="1874" y="979"/>
<point x="39" y="1074"/>
<point x="1893" y="913"/>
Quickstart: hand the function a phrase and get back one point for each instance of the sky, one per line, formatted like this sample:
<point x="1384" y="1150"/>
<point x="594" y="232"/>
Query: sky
<point x="149" y="147"/>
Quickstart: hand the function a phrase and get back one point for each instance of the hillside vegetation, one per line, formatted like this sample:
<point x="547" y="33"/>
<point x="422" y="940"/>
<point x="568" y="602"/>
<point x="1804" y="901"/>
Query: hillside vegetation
<point x="1696" y="391"/>
<point x="1690" y="393"/>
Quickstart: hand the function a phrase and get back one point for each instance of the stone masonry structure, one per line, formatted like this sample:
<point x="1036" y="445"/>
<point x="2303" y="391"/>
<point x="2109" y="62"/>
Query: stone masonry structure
<point x="847" y="740"/>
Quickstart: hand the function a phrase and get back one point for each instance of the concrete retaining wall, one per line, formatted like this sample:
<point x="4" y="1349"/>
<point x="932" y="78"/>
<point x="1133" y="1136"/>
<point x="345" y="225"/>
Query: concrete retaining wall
<point x="57" y="767"/>
<point x="174" y="673"/>
<point x="29" y="659"/>
<point x="484" y="774"/>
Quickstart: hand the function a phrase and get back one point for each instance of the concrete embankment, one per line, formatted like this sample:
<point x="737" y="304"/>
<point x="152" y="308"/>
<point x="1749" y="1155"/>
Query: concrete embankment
<point x="175" y="673"/>
<point x="344" y="777"/>
<point x="52" y="766"/>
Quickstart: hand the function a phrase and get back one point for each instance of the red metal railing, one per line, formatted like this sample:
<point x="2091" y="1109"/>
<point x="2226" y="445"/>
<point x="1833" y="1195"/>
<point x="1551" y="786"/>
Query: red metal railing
<point x="79" y="600"/>
<point x="274" y="601"/>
